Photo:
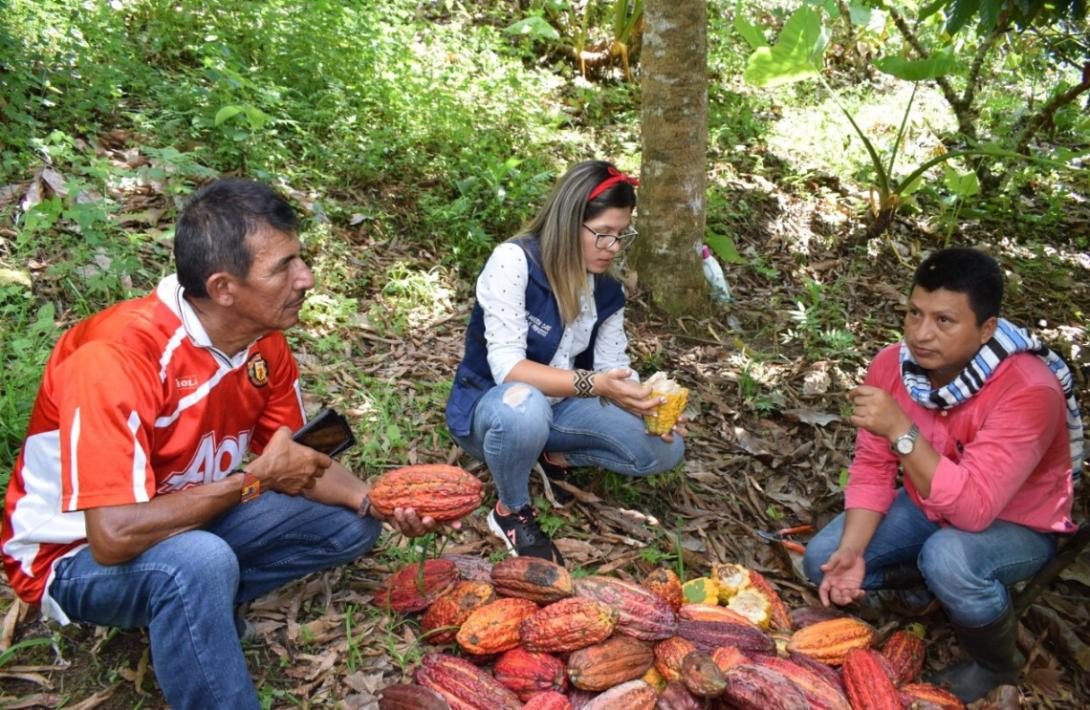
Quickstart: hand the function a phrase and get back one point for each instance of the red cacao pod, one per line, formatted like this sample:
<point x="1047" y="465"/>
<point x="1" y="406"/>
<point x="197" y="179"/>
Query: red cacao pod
<point x="726" y="657"/>
<point x="530" y="673"/>
<point x="665" y="584"/>
<point x="677" y="697"/>
<point x="453" y="608"/>
<point x="549" y="700"/>
<point x="830" y="674"/>
<point x="709" y="634"/>
<point x="540" y="581"/>
<point x="609" y="663"/>
<point x="750" y="686"/>
<point x="415" y="586"/>
<point x="494" y="627"/>
<point x="829" y="641"/>
<point x="669" y="653"/>
<point x="905" y="649"/>
<point x="471" y="567"/>
<point x="463" y="685"/>
<point x="711" y="612"/>
<point x="405" y="696"/>
<point x="432" y="490"/>
<point x="702" y="676"/>
<point x="927" y="693"/>
<point x="567" y="625"/>
<point x="819" y="692"/>
<point x="866" y="681"/>
<point x="633" y="695"/>
<point x="640" y="613"/>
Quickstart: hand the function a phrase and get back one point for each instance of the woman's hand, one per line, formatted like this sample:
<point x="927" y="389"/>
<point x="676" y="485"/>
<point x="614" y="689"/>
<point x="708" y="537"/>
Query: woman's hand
<point x="626" y="393"/>
<point x="843" y="580"/>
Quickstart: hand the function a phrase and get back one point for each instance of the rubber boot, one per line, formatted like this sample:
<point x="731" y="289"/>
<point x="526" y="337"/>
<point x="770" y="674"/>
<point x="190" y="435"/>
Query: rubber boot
<point x="995" y="658"/>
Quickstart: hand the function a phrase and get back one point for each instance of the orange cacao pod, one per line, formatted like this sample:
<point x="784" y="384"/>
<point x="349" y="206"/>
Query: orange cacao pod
<point x="927" y="693"/>
<point x="866" y="681"/>
<point x="781" y="618"/>
<point x="905" y="650"/>
<point x="711" y="612"/>
<point x="819" y="692"/>
<point x="609" y="663"/>
<point x="829" y="641"/>
<point x="541" y="581"/>
<point x="669" y="653"/>
<point x="702" y="676"/>
<point x="450" y="610"/>
<point x="404" y="696"/>
<point x="494" y="627"/>
<point x="549" y="700"/>
<point x="463" y="685"/>
<point x="726" y="657"/>
<point x="749" y="685"/>
<point x="713" y="629"/>
<point x="433" y="490"/>
<point x="640" y="613"/>
<point x="567" y="625"/>
<point x="471" y="567"/>
<point x="529" y="673"/>
<point x="415" y="586"/>
<point x="677" y="697"/>
<point x="665" y="584"/>
<point x="633" y="695"/>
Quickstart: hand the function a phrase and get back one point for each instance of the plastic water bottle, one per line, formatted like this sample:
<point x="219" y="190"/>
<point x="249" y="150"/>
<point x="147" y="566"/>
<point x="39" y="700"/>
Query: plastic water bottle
<point x="714" y="274"/>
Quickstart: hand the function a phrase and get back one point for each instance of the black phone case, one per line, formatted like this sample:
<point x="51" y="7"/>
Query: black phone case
<point x="328" y="432"/>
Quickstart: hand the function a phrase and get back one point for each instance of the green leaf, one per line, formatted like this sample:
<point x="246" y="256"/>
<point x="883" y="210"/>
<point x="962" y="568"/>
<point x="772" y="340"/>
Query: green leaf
<point x="724" y="248"/>
<point x="226" y="114"/>
<point x="751" y="33"/>
<point x="938" y="64"/>
<point x="842" y="479"/>
<point x="959" y="14"/>
<point x="534" y="27"/>
<point x="800" y="43"/>
<point x="961" y="184"/>
<point x="256" y="117"/>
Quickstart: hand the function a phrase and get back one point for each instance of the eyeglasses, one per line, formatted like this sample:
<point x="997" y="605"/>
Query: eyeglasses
<point x="603" y="240"/>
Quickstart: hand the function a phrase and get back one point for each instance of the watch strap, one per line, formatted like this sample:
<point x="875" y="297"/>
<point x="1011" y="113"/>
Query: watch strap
<point x="251" y="486"/>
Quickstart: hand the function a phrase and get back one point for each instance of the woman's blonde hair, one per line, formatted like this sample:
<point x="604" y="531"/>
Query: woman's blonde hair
<point x="560" y="222"/>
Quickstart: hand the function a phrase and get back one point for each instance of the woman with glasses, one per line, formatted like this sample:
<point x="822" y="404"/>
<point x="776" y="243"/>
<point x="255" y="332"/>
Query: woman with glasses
<point x="545" y="378"/>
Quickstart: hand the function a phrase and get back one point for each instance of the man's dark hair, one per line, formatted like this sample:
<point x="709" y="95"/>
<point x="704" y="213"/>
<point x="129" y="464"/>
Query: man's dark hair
<point x="211" y="232"/>
<point x="967" y="271"/>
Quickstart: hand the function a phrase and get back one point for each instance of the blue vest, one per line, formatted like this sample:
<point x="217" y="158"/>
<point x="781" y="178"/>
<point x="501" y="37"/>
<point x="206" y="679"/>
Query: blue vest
<point x="545" y="328"/>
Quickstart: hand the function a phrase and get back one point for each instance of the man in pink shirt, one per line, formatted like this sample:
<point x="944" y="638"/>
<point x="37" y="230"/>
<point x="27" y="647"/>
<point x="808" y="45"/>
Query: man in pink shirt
<point x="980" y="419"/>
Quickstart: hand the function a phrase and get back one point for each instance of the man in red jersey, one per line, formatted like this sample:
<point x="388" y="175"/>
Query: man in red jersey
<point x="132" y="502"/>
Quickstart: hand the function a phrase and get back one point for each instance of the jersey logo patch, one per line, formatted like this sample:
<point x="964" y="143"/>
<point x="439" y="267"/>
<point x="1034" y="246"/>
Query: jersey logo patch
<point x="185" y="382"/>
<point x="258" y="370"/>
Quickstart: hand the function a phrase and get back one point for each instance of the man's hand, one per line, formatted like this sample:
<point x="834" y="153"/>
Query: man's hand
<point x="409" y="524"/>
<point x="287" y="467"/>
<point x="843" y="580"/>
<point x="628" y="394"/>
<point x="876" y="411"/>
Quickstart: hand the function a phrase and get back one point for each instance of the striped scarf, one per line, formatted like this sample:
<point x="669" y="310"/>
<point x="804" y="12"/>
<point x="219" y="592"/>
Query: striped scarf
<point x="1008" y="340"/>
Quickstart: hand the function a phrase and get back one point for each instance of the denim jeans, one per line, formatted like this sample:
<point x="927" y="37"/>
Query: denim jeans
<point x="186" y="587"/>
<point x="514" y="422"/>
<point x="968" y="572"/>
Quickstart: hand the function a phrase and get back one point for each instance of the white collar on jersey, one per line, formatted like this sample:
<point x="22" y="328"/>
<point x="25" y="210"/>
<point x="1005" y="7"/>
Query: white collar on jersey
<point x="171" y="293"/>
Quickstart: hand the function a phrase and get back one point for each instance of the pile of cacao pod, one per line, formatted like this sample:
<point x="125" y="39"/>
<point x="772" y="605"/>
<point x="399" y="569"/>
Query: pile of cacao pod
<point x="528" y="635"/>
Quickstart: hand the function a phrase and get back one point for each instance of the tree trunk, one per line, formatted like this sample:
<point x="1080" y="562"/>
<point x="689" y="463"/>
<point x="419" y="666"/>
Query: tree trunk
<point x="674" y="121"/>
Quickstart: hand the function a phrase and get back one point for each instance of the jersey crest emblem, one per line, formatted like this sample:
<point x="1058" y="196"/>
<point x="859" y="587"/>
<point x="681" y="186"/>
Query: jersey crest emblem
<point x="258" y="370"/>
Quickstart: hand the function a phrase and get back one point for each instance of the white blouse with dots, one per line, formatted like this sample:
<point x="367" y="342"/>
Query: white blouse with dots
<point x="501" y="292"/>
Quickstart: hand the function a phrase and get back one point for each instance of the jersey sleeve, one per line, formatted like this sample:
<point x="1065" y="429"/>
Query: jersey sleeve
<point x="107" y="401"/>
<point x="285" y="404"/>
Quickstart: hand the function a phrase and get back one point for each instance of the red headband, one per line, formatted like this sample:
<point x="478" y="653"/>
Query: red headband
<point x="615" y="176"/>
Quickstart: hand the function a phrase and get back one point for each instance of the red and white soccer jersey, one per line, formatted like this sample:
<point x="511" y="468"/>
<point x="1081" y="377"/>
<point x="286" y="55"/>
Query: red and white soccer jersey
<point x="135" y="402"/>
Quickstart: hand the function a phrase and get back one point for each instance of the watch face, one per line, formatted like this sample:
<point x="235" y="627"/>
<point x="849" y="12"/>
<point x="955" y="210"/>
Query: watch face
<point x="905" y="445"/>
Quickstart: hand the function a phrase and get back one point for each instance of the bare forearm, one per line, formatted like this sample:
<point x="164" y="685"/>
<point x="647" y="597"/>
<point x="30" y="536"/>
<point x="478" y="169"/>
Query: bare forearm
<point x="859" y="527"/>
<point x="338" y="486"/>
<point x="920" y="466"/>
<point x="552" y="381"/>
<point x="117" y="534"/>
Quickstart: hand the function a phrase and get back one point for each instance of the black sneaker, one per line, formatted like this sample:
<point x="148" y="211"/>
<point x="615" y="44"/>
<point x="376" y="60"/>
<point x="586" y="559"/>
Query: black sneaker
<point x="552" y="472"/>
<point x="522" y="535"/>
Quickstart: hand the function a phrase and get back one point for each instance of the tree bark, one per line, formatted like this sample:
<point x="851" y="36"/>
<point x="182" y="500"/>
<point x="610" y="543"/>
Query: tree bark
<point x="674" y="120"/>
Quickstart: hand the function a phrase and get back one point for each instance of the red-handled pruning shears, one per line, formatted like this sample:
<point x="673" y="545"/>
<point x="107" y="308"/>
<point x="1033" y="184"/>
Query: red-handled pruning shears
<point x="780" y="536"/>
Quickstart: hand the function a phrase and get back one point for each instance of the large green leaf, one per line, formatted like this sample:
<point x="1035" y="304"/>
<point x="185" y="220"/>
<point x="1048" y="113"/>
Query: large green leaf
<point x="938" y="64"/>
<point x="535" y="27"/>
<point x="751" y="33"/>
<point x="796" y="54"/>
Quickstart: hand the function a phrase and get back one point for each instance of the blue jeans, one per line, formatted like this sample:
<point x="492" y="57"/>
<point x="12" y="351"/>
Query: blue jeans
<point x="186" y="588"/>
<point x="514" y="422"/>
<point x="967" y="572"/>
